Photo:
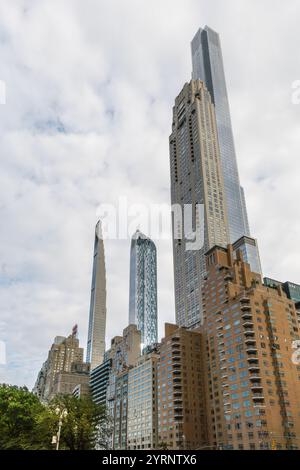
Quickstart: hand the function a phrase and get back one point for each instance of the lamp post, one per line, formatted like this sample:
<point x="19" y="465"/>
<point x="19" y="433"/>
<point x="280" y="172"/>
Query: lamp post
<point x="62" y="414"/>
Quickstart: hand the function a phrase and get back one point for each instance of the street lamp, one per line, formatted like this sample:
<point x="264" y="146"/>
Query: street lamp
<point x="62" y="414"/>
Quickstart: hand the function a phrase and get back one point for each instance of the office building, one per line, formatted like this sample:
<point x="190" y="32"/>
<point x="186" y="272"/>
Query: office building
<point x="99" y="382"/>
<point x="208" y="66"/>
<point x="97" y="316"/>
<point x="196" y="179"/>
<point x="253" y="386"/>
<point x="143" y="287"/>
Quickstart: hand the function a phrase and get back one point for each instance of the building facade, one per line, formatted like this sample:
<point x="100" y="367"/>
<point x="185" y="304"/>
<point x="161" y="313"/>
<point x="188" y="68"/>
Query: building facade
<point x="65" y="382"/>
<point x="97" y="316"/>
<point x="208" y="66"/>
<point x="99" y="378"/>
<point x="142" y="404"/>
<point x="253" y="386"/>
<point x="63" y="355"/>
<point x="196" y="180"/>
<point x="143" y="287"/>
<point x="249" y="251"/>
<point x="123" y="353"/>
<point x="181" y="393"/>
<point x="120" y="412"/>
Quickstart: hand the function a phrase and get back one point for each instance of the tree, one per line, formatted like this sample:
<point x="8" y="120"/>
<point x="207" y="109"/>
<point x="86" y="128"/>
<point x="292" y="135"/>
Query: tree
<point x="86" y="424"/>
<point x="163" y="445"/>
<point x="25" y="423"/>
<point x="20" y="411"/>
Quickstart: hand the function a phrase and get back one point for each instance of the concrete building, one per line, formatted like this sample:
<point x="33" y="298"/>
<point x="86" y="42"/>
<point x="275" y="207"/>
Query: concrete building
<point x="63" y="354"/>
<point x="143" y="287"/>
<point x="64" y="382"/>
<point x="181" y="393"/>
<point x="208" y="66"/>
<point x="81" y="390"/>
<point x="253" y="386"/>
<point x="142" y="404"/>
<point x="97" y="317"/>
<point x="196" y="179"/>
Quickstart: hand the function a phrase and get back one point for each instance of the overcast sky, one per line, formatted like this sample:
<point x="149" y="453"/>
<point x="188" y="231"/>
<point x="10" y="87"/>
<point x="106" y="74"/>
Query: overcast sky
<point x="89" y="92"/>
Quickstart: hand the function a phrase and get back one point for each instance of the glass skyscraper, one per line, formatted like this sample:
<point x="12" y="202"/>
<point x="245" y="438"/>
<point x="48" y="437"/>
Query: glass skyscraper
<point x="249" y="251"/>
<point x="208" y="66"/>
<point x="143" y="287"/>
<point x="97" y="317"/>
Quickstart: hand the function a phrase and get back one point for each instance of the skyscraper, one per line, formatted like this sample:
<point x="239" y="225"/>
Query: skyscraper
<point x="65" y="356"/>
<point x="196" y="178"/>
<point x="97" y="318"/>
<point x="208" y="66"/>
<point x="143" y="287"/>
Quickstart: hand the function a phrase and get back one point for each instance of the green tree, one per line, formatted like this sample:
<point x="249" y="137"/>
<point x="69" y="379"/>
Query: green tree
<point x="25" y="423"/>
<point x="85" y="426"/>
<point x="20" y="412"/>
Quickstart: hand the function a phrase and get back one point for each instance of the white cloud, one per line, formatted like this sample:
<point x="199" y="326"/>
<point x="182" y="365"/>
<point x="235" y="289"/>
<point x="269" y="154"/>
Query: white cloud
<point x="89" y="94"/>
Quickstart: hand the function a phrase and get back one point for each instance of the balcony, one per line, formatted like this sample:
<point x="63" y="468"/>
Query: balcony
<point x="249" y="332"/>
<point x="253" y="361"/>
<point x="177" y="386"/>
<point x="246" y="308"/>
<point x="258" y="397"/>
<point x="248" y="323"/>
<point x="228" y="277"/>
<point x="251" y="350"/>
<point x="253" y="368"/>
<point x="255" y="377"/>
<point x="247" y="316"/>
<point x="250" y="341"/>
<point x="176" y="365"/>
<point x="256" y="388"/>
<point x="177" y="401"/>
<point x="244" y="299"/>
<point x="177" y="380"/>
<point x="177" y="372"/>
<point x="176" y="358"/>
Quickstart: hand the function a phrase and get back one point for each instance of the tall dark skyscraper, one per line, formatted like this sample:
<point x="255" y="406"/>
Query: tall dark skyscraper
<point x="97" y="318"/>
<point x="143" y="287"/>
<point x="208" y="66"/>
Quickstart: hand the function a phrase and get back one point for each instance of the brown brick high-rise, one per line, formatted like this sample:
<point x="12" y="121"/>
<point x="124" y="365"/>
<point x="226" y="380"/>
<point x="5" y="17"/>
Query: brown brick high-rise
<point x="253" y="387"/>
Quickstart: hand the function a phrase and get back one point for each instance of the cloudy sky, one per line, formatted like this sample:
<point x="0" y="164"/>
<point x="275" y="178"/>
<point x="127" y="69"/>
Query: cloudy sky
<point x="89" y="93"/>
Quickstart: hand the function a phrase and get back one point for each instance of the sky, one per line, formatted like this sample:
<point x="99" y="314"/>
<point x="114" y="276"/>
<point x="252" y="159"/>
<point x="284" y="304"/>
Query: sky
<point x="89" y="93"/>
